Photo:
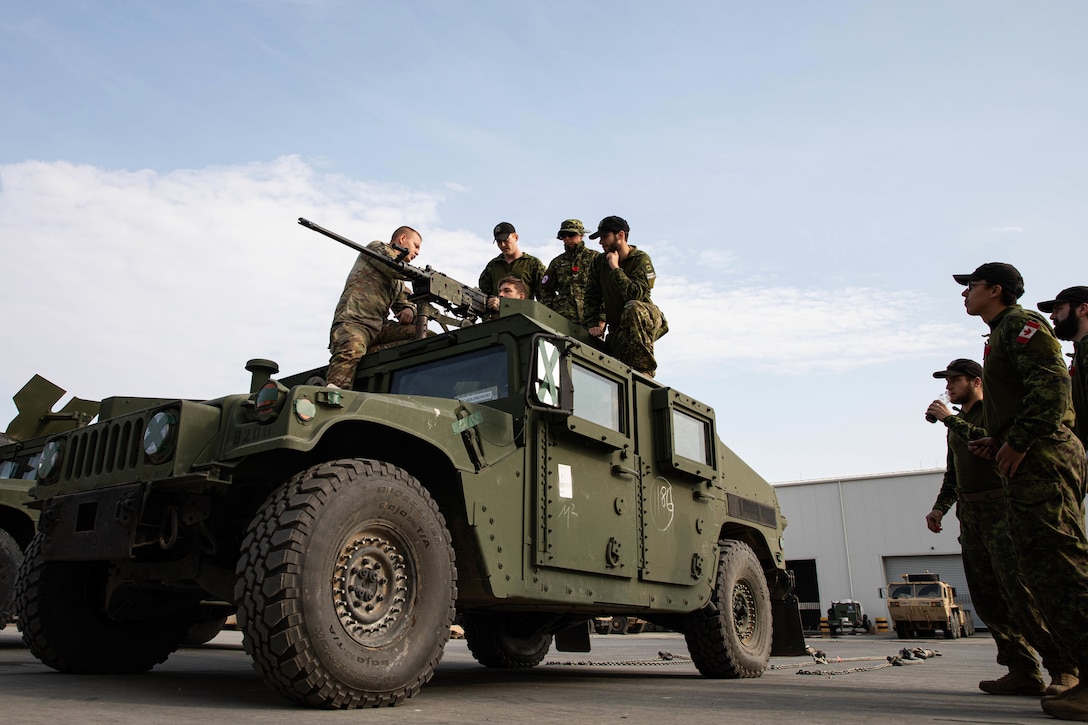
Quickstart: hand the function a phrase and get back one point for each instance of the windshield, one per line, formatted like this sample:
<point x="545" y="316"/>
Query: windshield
<point x="473" y="377"/>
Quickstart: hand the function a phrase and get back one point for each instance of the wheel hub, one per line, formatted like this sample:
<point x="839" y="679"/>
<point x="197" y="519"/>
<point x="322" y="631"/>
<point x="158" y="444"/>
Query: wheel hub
<point x="744" y="610"/>
<point x="370" y="588"/>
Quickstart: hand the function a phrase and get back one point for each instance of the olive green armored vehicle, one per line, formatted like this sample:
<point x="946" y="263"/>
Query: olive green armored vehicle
<point x="506" y="471"/>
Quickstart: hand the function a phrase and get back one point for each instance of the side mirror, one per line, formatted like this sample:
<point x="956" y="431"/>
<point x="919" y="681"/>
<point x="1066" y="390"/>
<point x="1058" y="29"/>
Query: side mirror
<point x="880" y="592"/>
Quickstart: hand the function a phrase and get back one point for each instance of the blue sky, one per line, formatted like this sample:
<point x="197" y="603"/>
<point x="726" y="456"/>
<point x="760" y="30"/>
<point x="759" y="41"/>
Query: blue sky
<point x="806" y="176"/>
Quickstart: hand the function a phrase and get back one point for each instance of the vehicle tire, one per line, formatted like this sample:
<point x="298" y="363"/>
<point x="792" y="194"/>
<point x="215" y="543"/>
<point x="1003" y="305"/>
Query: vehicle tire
<point x="601" y="626"/>
<point x="902" y="630"/>
<point x="375" y="639"/>
<point x="731" y="636"/>
<point x="60" y="606"/>
<point x="506" y="641"/>
<point x="952" y="629"/>
<point x="619" y="625"/>
<point x="11" y="557"/>
<point x="637" y="627"/>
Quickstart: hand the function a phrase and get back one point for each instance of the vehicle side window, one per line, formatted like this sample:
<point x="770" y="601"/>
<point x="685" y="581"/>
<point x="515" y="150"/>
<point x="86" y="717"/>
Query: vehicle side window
<point x="596" y="398"/>
<point x="691" y="437"/>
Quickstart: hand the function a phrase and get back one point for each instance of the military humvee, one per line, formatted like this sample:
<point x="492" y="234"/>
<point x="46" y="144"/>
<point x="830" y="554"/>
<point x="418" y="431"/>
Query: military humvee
<point x="507" y="471"/>
<point x="20" y="449"/>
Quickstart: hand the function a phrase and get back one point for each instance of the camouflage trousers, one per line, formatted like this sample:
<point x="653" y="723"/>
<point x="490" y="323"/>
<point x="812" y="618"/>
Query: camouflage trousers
<point x="998" y="593"/>
<point x="632" y="341"/>
<point x="1045" y="513"/>
<point x="348" y="343"/>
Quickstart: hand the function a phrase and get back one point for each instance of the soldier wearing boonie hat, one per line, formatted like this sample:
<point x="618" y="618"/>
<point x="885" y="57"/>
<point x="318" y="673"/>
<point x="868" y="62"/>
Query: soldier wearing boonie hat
<point x="1029" y="420"/>
<point x="563" y="286"/>
<point x="973" y="484"/>
<point x="618" y="298"/>
<point x="1069" y="313"/>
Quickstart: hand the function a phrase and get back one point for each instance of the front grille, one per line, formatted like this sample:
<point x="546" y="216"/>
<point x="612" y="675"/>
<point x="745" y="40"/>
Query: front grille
<point x="109" y="447"/>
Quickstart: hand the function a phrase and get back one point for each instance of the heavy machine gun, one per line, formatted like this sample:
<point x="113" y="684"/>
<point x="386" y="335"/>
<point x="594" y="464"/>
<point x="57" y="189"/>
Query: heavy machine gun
<point x="429" y="286"/>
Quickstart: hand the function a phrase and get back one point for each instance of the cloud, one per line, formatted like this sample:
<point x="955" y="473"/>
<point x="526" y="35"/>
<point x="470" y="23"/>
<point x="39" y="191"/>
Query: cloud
<point x="165" y="284"/>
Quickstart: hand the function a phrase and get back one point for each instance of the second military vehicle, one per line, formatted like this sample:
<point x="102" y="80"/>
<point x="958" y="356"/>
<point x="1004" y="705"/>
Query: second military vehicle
<point x="847" y="617"/>
<point x="509" y="471"/>
<point x="922" y="605"/>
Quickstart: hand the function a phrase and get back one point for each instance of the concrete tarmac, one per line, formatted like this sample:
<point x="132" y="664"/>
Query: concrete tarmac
<point x="623" y="680"/>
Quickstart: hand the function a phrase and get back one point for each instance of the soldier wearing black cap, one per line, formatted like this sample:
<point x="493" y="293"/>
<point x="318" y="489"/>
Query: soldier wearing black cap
<point x="511" y="261"/>
<point x="1069" y="313"/>
<point x="974" y="485"/>
<point x="1029" y="420"/>
<point x="618" y="297"/>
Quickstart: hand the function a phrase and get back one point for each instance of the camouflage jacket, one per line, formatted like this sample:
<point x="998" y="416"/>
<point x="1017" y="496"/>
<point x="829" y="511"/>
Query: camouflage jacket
<point x="371" y="290"/>
<point x="527" y="267"/>
<point x="563" y="287"/>
<point x="1078" y="374"/>
<point x="1025" y="379"/>
<point x="964" y="471"/>
<point x="608" y="290"/>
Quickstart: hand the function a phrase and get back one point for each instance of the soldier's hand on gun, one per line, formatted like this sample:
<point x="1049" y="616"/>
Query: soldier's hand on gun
<point x="406" y="316"/>
<point x="597" y="331"/>
<point x="493" y="304"/>
<point x="933" y="521"/>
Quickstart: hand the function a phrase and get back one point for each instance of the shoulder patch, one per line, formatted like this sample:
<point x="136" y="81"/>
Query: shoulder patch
<point x="1026" y="333"/>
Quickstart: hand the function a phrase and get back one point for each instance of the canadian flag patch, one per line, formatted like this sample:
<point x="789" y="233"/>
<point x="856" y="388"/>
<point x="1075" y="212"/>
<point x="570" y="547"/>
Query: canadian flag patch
<point x="1029" y="329"/>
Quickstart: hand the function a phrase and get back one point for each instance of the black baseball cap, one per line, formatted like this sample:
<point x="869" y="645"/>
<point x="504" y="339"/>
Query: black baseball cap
<point x="1000" y="273"/>
<point x="960" y="366"/>
<point x="504" y="230"/>
<point x="611" y="224"/>
<point x="1076" y="295"/>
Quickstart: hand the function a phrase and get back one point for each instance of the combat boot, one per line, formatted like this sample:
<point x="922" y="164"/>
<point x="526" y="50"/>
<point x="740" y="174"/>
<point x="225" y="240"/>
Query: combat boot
<point x="1015" y="683"/>
<point x="1060" y="682"/>
<point x="1073" y="707"/>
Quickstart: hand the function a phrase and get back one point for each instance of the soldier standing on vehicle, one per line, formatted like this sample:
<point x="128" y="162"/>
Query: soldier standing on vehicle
<point x="563" y="287"/>
<point x="361" y="319"/>
<point x="1029" y="417"/>
<point x="618" y="297"/>
<point x="1001" y="601"/>
<point x="1069" y="313"/>
<point x="511" y="261"/>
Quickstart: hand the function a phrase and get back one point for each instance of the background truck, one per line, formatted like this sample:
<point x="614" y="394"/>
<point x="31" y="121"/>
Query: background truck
<point x="846" y="617"/>
<point x="922" y="605"/>
<point x="509" y="471"/>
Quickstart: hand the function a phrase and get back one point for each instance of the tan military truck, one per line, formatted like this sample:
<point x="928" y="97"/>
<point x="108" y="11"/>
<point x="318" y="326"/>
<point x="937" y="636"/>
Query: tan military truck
<point x="922" y="604"/>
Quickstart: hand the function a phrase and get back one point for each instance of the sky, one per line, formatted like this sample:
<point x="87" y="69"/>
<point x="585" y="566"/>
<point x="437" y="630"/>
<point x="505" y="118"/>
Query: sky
<point x="805" y="176"/>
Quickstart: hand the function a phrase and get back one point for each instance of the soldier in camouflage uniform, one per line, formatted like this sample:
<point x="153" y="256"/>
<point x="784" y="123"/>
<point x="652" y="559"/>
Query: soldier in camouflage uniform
<point x="974" y="485"/>
<point x="361" y="319"/>
<point x="618" y="297"/>
<point x="1029" y="417"/>
<point x="511" y="260"/>
<point x="1069" y="312"/>
<point x="563" y="287"/>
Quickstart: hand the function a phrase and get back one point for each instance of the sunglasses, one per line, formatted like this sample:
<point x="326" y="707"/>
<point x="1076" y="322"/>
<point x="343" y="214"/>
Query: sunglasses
<point x="568" y="235"/>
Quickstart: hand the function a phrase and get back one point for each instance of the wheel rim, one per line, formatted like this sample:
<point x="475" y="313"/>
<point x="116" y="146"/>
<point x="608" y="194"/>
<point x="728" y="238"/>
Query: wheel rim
<point x="744" y="610"/>
<point x="373" y="587"/>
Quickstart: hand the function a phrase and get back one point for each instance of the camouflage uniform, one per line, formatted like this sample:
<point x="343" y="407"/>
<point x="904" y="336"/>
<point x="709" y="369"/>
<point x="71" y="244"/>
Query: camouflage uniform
<point x="361" y="317"/>
<point x="563" y="286"/>
<point x="621" y="298"/>
<point x="527" y="267"/>
<point x="1027" y="405"/>
<point x="1078" y="374"/>
<point x="1000" y="599"/>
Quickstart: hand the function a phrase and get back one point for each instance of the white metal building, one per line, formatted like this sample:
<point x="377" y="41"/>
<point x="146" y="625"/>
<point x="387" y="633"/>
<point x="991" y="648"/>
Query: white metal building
<point x="848" y="537"/>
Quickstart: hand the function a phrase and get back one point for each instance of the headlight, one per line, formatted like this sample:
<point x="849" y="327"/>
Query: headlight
<point x="160" y="436"/>
<point x="269" y="399"/>
<point x="305" y="410"/>
<point x="49" y="463"/>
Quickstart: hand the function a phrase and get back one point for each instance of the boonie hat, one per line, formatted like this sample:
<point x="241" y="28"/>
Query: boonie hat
<point x="611" y="224"/>
<point x="1000" y="273"/>
<point x="1076" y="295"/>
<point x="572" y="226"/>
<point x="504" y="230"/>
<point x="960" y="366"/>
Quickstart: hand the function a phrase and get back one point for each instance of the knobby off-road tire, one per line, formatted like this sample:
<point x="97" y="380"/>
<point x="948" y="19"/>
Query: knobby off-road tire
<point x="11" y="557"/>
<point x="60" y="609"/>
<point x="903" y="630"/>
<point x="731" y="636"/>
<point x="346" y="586"/>
<point x="505" y="641"/>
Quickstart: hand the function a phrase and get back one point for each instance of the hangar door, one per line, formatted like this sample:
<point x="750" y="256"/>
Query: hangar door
<point x="948" y="566"/>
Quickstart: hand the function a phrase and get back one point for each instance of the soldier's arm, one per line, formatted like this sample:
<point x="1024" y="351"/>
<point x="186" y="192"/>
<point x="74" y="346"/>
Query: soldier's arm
<point x="400" y="302"/>
<point x="966" y="431"/>
<point x="487" y="285"/>
<point x="636" y="285"/>
<point x="1039" y="362"/>
<point x="949" y="486"/>
<point x="536" y="273"/>
<point x="594" y="299"/>
<point x="548" y="289"/>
